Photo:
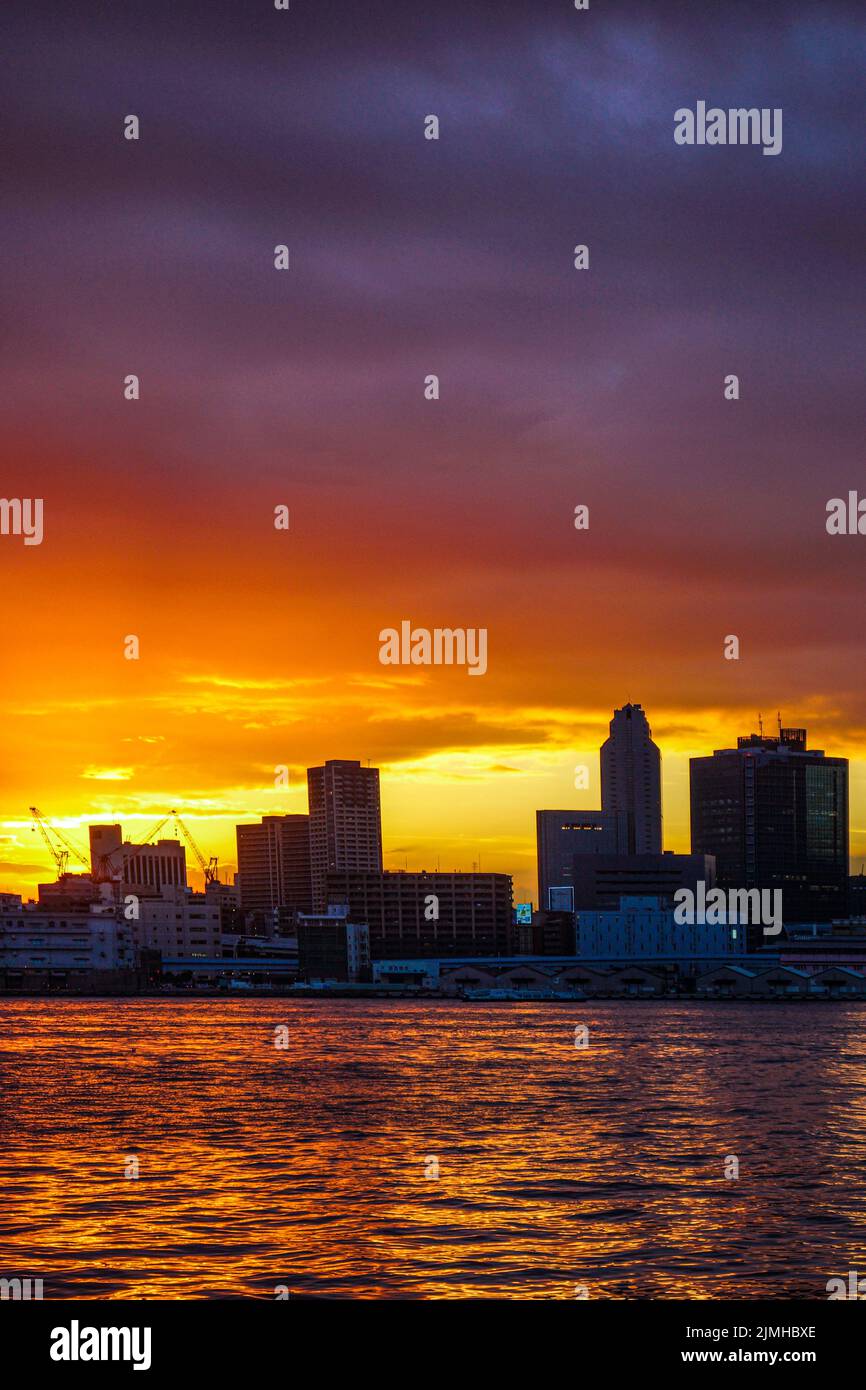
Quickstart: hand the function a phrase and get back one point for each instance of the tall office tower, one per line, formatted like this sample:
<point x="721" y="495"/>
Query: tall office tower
<point x="274" y="864"/>
<point x="345" y="822"/>
<point x="631" y="778"/>
<point x="560" y="835"/>
<point x="775" y="815"/>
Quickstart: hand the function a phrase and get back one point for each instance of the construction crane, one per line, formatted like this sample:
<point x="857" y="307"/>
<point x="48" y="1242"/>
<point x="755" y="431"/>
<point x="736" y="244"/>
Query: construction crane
<point x="109" y="868"/>
<point x="60" y="856"/>
<point x="209" y="867"/>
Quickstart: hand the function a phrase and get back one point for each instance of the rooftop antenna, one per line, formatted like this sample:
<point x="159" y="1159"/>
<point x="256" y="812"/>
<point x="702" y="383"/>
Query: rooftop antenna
<point x="779" y="717"/>
<point x="760" y="725"/>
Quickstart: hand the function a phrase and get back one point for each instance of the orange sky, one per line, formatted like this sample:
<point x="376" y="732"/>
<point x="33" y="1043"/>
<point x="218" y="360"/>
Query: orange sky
<point x="559" y="388"/>
<point x="259" y="649"/>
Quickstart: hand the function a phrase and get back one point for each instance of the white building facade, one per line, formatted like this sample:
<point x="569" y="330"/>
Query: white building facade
<point x="74" y="942"/>
<point x="176" y="923"/>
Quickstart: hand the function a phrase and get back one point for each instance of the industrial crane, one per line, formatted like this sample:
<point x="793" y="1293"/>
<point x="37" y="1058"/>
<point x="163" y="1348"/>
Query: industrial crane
<point x="109" y="869"/>
<point x="106" y="867"/>
<point x="110" y="866"/>
<point x="60" y="856"/>
<point x="209" y="867"/>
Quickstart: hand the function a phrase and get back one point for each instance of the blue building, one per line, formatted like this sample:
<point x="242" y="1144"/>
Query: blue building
<point x="643" y="928"/>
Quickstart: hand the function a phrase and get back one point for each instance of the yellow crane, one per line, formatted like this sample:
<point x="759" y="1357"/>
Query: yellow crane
<point x="209" y="867"/>
<point x="60" y="855"/>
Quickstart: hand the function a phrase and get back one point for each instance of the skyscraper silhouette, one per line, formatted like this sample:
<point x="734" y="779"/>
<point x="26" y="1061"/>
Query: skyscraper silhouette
<point x="345" y="822"/>
<point x="631" y="778"/>
<point x="775" y="815"/>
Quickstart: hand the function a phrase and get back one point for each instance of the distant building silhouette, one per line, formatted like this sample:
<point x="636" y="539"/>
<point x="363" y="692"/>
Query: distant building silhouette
<point x="274" y="864"/>
<point x="428" y="914"/>
<point x="775" y="815"/>
<point x="345" y="822"/>
<point x="600" y="880"/>
<point x="331" y="947"/>
<point x="143" y="869"/>
<point x="560" y="835"/>
<point x="631" y="779"/>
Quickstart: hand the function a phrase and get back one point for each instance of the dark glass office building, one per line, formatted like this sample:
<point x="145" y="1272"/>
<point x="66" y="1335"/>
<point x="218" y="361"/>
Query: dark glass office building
<point x="775" y="815"/>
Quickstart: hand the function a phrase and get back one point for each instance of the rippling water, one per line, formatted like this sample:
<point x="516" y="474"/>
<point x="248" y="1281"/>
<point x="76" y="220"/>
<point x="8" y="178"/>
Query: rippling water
<point x="306" y="1167"/>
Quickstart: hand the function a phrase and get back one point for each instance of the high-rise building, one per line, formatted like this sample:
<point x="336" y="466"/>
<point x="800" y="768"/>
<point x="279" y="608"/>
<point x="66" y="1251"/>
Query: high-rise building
<point x="560" y="835"/>
<point x="775" y="815"/>
<point x="345" y="822"/>
<point x="274" y="864"/>
<point x="428" y="914"/>
<point x="631" y="779"/>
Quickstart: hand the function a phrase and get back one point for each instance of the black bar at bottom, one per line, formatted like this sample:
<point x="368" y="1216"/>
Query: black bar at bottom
<point x="361" y="1338"/>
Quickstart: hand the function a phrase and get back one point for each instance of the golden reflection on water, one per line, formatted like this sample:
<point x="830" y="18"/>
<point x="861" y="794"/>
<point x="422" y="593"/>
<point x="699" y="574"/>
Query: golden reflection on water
<point x="308" y="1167"/>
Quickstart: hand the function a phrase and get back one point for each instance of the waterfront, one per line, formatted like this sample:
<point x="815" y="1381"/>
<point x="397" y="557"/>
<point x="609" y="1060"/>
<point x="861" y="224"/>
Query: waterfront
<point x="307" y="1166"/>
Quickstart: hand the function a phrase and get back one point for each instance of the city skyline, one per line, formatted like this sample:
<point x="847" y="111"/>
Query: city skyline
<point x="427" y="852"/>
<point x="434" y="438"/>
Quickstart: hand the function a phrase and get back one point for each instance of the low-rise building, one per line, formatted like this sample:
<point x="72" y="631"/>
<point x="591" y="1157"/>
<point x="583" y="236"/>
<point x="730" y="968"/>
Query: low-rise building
<point x="418" y="914"/>
<point x="332" y="947"/>
<point x="646" y="928"/>
<point x="601" y="880"/>
<point x="74" y="943"/>
<point x="637" y="982"/>
<point x="420" y="974"/>
<point x="177" y="922"/>
<point x="838" y="982"/>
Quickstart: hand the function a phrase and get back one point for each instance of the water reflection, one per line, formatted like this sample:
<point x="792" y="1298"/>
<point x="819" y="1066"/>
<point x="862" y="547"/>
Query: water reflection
<point x="307" y="1166"/>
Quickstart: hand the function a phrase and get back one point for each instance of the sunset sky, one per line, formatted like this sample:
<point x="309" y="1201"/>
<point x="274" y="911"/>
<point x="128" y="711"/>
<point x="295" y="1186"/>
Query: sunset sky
<point x="306" y="388"/>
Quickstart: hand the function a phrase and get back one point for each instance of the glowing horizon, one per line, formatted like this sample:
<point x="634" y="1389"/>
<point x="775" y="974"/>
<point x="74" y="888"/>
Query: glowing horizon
<point x="447" y="807"/>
